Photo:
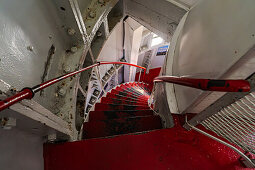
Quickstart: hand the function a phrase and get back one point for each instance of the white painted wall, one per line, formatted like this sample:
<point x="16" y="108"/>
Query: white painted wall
<point x="112" y="49"/>
<point x="156" y="60"/>
<point x="133" y="37"/>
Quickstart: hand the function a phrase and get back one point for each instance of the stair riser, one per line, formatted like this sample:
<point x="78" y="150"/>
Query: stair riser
<point x="113" y="101"/>
<point x="121" y="126"/>
<point x="129" y="89"/>
<point x="107" y="115"/>
<point x="105" y="107"/>
<point x="126" y="97"/>
<point x="135" y="87"/>
<point x="136" y="92"/>
<point x="125" y="93"/>
<point x="139" y="89"/>
<point x="107" y="99"/>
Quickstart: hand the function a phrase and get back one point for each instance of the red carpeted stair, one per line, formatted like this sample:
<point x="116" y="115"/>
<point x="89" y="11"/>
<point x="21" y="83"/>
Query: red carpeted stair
<point x="124" y="110"/>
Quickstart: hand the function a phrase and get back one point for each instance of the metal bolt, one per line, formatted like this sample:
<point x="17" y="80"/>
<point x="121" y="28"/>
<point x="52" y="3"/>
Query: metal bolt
<point x="96" y="92"/>
<point x="88" y="108"/>
<point x="67" y="69"/>
<point x="111" y="71"/>
<point x="173" y="25"/>
<point x="123" y="60"/>
<point x="74" y="49"/>
<point x="61" y="92"/>
<point x="99" y="33"/>
<point x="92" y="14"/>
<point x="52" y="137"/>
<point x="71" y="31"/>
<point x="101" y="1"/>
<point x="93" y="78"/>
<point x="30" y="48"/>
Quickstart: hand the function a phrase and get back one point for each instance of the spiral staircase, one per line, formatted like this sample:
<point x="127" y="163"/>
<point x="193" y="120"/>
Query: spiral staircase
<point x="123" y="132"/>
<point x="123" y="110"/>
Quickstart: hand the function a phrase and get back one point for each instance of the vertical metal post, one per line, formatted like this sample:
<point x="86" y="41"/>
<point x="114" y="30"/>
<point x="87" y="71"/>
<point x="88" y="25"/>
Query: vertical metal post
<point x="99" y="79"/>
<point x="116" y="74"/>
<point x="140" y="75"/>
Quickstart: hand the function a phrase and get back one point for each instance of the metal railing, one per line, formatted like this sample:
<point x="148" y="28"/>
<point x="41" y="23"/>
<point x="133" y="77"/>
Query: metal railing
<point x="236" y="123"/>
<point x="28" y="93"/>
<point x="248" y="162"/>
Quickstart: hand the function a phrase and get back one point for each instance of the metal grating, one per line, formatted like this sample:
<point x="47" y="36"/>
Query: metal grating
<point x="236" y="122"/>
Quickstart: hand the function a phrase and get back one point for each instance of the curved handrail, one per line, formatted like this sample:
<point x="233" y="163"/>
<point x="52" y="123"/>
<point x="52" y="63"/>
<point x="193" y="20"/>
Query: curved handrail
<point x="28" y="93"/>
<point x="208" y="84"/>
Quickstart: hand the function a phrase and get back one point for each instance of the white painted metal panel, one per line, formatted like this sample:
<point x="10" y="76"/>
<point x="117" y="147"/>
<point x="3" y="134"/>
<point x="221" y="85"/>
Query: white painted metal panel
<point x="112" y="49"/>
<point x="215" y="35"/>
<point x="160" y="17"/>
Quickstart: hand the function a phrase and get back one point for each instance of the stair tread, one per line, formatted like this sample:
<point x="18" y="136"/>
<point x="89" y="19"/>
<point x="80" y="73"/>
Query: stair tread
<point x="104" y="128"/>
<point x="131" y="100"/>
<point x="129" y="89"/>
<point x="136" y="104"/>
<point x="125" y="97"/>
<point x="134" y="96"/>
<point x="102" y="106"/>
<point x="103" y="115"/>
<point x="119" y="101"/>
<point x="126" y="93"/>
<point x="119" y="104"/>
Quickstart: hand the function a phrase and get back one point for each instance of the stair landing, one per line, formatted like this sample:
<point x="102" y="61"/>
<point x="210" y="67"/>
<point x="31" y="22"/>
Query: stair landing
<point x="164" y="149"/>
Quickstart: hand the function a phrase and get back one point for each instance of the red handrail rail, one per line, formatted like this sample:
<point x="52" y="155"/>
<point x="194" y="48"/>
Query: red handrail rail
<point x="28" y="93"/>
<point x="208" y="84"/>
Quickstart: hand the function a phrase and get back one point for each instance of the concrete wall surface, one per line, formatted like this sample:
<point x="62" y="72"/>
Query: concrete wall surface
<point x="20" y="150"/>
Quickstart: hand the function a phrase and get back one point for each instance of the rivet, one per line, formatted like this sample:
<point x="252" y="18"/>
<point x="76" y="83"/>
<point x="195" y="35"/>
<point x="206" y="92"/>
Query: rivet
<point x="99" y="33"/>
<point x="61" y="92"/>
<point x="30" y="48"/>
<point x="74" y="49"/>
<point x="67" y="69"/>
<point x="92" y="14"/>
<point x="71" y="31"/>
<point x="52" y="137"/>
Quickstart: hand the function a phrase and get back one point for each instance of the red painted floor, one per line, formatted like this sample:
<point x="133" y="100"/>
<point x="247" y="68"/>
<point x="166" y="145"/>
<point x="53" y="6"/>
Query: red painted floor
<point x="165" y="149"/>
